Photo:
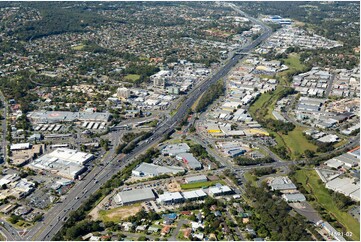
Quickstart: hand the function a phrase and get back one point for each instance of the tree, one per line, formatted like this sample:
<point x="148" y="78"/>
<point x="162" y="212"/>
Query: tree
<point x="142" y="238"/>
<point x="309" y="153"/>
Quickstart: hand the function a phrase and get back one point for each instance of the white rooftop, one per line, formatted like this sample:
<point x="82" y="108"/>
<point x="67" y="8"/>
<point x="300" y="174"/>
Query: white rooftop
<point x="194" y="194"/>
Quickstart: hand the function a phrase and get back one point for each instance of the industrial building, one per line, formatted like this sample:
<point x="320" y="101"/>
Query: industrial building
<point x="219" y="190"/>
<point x="20" y="146"/>
<point x="194" y="195"/>
<point x="347" y="186"/>
<point x="175" y="149"/>
<point x="332" y="231"/>
<point x="193" y="179"/>
<point x="281" y="183"/>
<point x="347" y="160"/>
<point x="190" y="161"/>
<point x="169" y="198"/>
<point x="151" y="170"/>
<point x="134" y="196"/>
<point x="330" y="138"/>
<point x="64" y="162"/>
<point x="294" y="197"/>
<point x="65" y="116"/>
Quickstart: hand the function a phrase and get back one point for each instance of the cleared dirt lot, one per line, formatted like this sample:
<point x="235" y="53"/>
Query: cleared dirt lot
<point x="117" y="214"/>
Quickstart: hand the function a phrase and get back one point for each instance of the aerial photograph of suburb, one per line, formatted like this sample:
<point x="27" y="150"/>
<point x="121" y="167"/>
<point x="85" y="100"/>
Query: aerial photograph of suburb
<point x="179" y="120"/>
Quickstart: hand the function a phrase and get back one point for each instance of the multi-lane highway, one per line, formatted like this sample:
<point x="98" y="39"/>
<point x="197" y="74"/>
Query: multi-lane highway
<point x="56" y="216"/>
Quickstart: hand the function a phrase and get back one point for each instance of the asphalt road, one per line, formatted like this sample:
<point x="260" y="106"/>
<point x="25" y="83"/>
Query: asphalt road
<point x="9" y="231"/>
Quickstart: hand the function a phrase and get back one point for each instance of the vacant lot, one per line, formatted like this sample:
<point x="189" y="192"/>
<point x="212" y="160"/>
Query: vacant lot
<point x="117" y="214"/>
<point x="312" y="183"/>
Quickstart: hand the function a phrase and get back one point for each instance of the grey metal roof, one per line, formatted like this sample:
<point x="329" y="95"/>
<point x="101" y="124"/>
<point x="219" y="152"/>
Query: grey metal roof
<point x="135" y="195"/>
<point x="155" y="170"/>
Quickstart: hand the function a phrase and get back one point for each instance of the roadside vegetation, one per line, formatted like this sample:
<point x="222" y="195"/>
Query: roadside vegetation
<point x="332" y="206"/>
<point x="214" y="92"/>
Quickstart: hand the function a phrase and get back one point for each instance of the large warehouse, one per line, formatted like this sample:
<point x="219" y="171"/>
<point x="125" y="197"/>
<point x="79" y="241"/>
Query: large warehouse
<point x="64" y="162"/>
<point x="170" y="198"/>
<point x="64" y="116"/>
<point x="194" y="195"/>
<point x="134" y="196"/>
<point x="175" y="149"/>
<point x="190" y="161"/>
<point x="146" y="169"/>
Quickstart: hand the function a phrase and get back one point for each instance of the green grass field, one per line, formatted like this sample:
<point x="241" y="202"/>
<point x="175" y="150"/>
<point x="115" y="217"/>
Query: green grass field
<point x="294" y="64"/>
<point x="200" y="184"/>
<point x="294" y="141"/>
<point x="132" y="77"/>
<point x="251" y="178"/>
<point x="297" y="142"/>
<point x="323" y="197"/>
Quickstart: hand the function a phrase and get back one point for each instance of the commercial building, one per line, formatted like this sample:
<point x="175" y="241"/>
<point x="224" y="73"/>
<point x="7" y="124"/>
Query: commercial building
<point x="151" y="170"/>
<point x="192" y="179"/>
<point x="18" y="188"/>
<point x="134" y="196"/>
<point x="175" y="149"/>
<point x="281" y="183"/>
<point x="64" y="162"/>
<point x="160" y="79"/>
<point x="20" y="146"/>
<point x="173" y="90"/>
<point x="190" y="161"/>
<point x="65" y="116"/>
<point x="355" y="152"/>
<point x="332" y="231"/>
<point x="123" y="93"/>
<point x="347" y="160"/>
<point x="194" y="195"/>
<point x="347" y="186"/>
<point x="330" y="138"/>
<point x="219" y="190"/>
<point x="169" y="198"/>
